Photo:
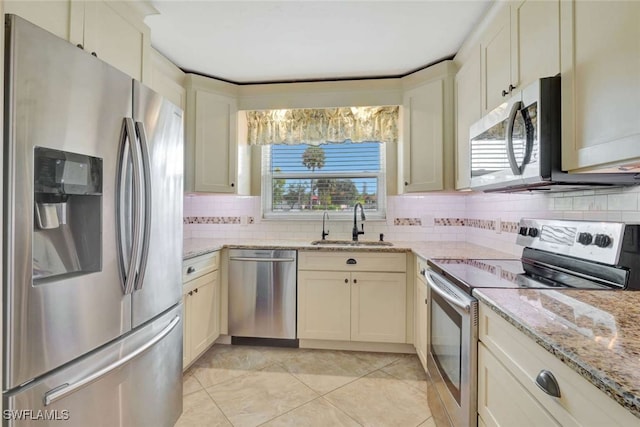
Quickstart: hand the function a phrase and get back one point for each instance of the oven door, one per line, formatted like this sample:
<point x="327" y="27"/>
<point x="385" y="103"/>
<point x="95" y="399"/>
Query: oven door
<point x="452" y="348"/>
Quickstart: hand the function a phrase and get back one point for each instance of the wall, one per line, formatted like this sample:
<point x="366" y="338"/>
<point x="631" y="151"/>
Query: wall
<point x="485" y="219"/>
<point x="409" y="218"/>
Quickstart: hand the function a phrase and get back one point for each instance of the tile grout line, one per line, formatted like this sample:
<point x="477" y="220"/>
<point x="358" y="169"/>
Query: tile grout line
<point x="219" y="408"/>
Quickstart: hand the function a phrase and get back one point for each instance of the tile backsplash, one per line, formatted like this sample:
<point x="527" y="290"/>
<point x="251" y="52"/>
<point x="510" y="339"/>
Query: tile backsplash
<point x="489" y="220"/>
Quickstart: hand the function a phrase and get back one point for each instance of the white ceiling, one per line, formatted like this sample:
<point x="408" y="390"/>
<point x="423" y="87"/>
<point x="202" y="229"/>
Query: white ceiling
<point x="263" y="41"/>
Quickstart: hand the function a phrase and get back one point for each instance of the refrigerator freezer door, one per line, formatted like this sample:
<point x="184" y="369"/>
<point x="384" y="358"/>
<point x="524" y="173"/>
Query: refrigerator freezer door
<point x="133" y="382"/>
<point x="159" y="125"/>
<point x="62" y="98"/>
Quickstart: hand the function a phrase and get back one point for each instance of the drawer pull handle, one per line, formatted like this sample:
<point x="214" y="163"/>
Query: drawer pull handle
<point x="351" y="261"/>
<point x="547" y="382"/>
<point x="191" y="270"/>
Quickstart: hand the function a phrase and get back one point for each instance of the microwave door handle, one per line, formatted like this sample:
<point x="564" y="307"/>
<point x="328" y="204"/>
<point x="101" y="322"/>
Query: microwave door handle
<point x="463" y="305"/>
<point x="529" y="132"/>
<point x="511" y="156"/>
<point x="146" y="172"/>
<point x="128" y="216"/>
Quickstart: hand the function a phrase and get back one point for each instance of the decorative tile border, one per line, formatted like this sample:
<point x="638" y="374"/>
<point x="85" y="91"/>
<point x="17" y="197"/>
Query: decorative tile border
<point x="211" y="220"/>
<point x="510" y="227"/>
<point x="407" y="221"/>
<point x="483" y="224"/>
<point x="450" y="222"/>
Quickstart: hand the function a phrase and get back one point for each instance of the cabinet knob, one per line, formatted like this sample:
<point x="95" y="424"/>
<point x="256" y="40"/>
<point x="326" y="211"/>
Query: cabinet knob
<point x="547" y="383"/>
<point x="346" y="280"/>
<point x="94" y="54"/>
<point x="504" y="93"/>
<point x="355" y="280"/>
<point x="191" y="270"/>
<point x="406" y="183"/>
<point x="423" y="272"/>
<point x="426" y="301"/>
<point x="190" y="293"/>
<point x="195" y="290"/>
<point x="233" y="184"/>
<point x="511" y="88"/>
<point x="80" y="46"/>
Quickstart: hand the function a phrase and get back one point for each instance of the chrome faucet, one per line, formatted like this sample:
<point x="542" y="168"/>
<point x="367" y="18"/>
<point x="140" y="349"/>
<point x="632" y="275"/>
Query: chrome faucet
<point x="325" y="215"/>
<point x="357" y="232"/>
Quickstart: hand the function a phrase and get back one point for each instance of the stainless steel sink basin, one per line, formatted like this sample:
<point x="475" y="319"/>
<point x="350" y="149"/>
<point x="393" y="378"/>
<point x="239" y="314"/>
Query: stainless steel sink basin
<point x="350" y="243"/>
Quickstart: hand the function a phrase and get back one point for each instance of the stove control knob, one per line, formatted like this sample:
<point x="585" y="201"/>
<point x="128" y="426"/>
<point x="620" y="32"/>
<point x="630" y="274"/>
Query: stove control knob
<point x="602" y="240"/>
<point x="585" y="238"/>
<point x="523" y="231"/>
<point x="533" y="232"/>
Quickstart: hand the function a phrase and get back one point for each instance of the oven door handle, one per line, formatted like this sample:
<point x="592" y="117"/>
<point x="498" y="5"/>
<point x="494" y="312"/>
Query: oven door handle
<point x="463" y="305"/>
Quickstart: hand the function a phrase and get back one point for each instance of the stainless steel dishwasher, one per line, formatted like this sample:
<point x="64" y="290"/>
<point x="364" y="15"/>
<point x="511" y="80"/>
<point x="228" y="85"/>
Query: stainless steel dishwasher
<point x="262" y="296"/>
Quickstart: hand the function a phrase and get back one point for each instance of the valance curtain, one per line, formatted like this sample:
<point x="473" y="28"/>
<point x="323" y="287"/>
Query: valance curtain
<point x="321" y="126"/>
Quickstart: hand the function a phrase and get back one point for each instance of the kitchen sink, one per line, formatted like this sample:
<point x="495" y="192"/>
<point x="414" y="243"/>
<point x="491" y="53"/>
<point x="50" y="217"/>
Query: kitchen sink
<point x="350" y="243"/>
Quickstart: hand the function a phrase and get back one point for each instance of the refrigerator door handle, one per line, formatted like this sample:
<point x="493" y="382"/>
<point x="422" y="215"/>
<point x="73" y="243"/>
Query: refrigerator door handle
<point x="63" y="390"/>
<point x="128" y="150"/>
<point x="146" y="170"/>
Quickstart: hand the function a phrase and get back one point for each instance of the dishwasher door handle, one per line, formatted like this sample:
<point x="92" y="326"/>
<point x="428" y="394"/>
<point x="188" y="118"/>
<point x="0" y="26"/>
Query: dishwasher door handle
<point x="262" y="259"/>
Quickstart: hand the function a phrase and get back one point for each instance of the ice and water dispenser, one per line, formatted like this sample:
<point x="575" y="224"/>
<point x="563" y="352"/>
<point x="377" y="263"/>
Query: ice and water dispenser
<point x="67" y="233"/>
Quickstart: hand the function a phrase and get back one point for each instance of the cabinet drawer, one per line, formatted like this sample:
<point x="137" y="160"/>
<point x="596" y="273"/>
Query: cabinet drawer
<point x="352" y="261"/>
<point x="580" y="403"/>
<point x="200" y="265"/>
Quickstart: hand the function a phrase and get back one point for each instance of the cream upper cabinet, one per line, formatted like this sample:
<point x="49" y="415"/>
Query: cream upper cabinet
<point x="520" y="45"/>
<point x="600" y="85"/>
<point x="468" y="111"/>
<point x="496" y="61"/>
<point x="427" y="130"/>
<point x="211" y="157"/>
<point x="167" y="79"/>
<point x="114" y="31"/>
<point x="54" y="16"/>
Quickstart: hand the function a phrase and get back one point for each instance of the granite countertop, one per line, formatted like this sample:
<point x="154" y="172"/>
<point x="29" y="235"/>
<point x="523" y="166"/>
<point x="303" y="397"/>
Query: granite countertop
<point x="596" y="333"/>
<point x="198" y="246"/>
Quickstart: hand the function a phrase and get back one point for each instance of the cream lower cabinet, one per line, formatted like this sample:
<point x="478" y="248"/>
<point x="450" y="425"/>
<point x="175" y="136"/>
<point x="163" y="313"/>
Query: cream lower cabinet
<point x="201" y="299"/>
<point x="508" y="364"/>
<point x="364" y="306"/>
<point x="421" y="328"/>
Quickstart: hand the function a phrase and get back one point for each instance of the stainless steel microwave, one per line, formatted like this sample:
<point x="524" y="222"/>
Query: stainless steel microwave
<point x="517" y="146"/>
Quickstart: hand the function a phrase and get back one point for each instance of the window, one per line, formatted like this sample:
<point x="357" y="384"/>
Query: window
<point x="302" y="180"/>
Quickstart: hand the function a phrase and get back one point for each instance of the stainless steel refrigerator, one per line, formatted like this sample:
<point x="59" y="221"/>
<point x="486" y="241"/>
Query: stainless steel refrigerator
<point x="92" y="240"/>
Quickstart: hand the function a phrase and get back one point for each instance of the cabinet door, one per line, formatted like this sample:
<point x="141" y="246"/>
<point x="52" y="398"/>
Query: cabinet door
<point x="468" y="111"/>
<point x="535" y="34"/>
<point x="215" y="140"/>
<point x="117" y="36"/>
<point x="378" y="307"/>
<point x="502" y="400"/>
<point x="53" y="16"/>
<point x="205" y="325"/>
<point x="423" y="146"/>
<point x="186" y="336"/>
<point x="600" y="57"/>
<point x="496" y="61"/>
<point x="421" y="320"/>
<point x="324" y="305"/>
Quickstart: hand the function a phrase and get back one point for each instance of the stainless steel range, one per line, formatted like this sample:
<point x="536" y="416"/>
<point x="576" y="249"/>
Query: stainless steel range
<point x="557" y="255"/>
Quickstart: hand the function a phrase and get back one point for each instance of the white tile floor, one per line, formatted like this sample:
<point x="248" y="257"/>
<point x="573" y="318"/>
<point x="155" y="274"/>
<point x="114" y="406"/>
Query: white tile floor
<point x="251" y="386"/>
